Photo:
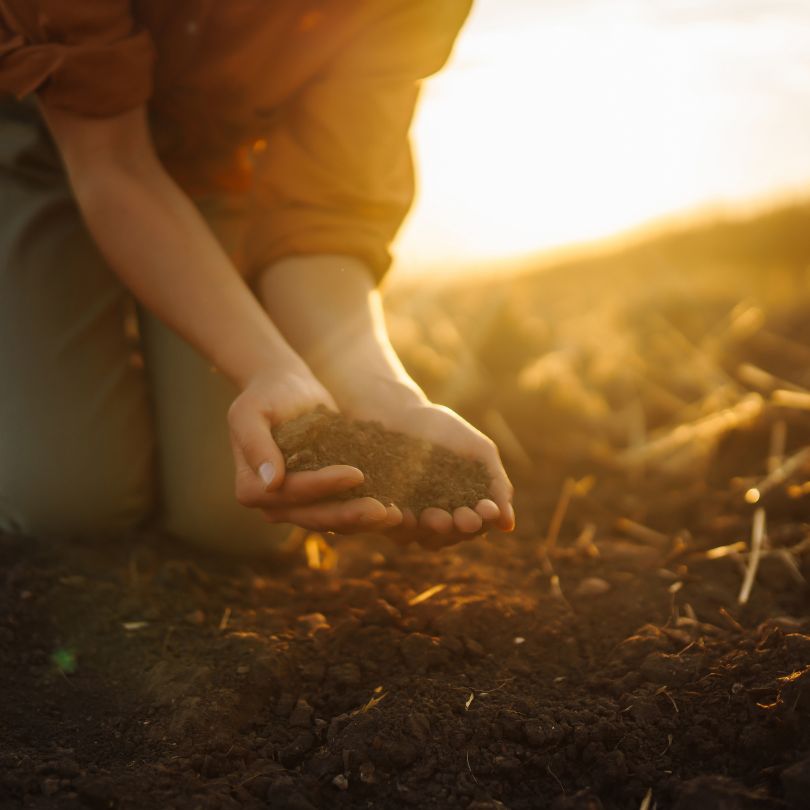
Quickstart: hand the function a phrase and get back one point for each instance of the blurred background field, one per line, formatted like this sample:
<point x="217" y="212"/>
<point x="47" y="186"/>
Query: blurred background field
<point x="634" y="363"/>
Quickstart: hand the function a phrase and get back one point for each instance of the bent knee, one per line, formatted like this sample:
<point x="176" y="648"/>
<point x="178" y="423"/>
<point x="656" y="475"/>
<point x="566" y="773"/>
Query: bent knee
<point x="78" y="508"/>
<point x="226" y="527"/>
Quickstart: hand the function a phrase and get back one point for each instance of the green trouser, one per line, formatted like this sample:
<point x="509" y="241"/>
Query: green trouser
<point x="92" y="442"/>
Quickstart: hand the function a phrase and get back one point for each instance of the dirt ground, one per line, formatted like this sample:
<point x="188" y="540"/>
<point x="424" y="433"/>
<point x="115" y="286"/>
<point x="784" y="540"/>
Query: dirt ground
<point x="601" y="656"/>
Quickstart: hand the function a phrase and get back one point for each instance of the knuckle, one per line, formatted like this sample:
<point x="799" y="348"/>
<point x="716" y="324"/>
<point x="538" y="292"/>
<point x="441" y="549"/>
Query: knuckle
<point x="243" y="498"/>
<point x="248" y="445"/>
<point x="235" y="408"/>
<point x="235" y="412"/>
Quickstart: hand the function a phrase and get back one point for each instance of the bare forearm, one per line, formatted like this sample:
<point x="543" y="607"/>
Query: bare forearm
<point x="328" y="309"/>
<point x="161" y="248"/>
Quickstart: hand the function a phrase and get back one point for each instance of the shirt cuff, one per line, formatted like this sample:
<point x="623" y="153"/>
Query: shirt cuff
<point x="89" y="79"/>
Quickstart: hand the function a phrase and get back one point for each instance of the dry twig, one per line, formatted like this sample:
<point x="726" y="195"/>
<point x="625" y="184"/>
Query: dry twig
<point x="757" y="537"/>
<point x="425" y="595"/>
<point x="778" y="476"/>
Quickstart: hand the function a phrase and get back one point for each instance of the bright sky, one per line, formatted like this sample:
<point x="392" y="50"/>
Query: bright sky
<point x="558" y="122"/>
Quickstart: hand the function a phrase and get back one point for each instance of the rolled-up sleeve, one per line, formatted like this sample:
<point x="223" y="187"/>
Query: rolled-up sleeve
<point x="336" y="174"/>
<point x="86" y="56"/>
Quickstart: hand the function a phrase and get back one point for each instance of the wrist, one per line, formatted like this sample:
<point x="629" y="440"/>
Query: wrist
<point x="375" y="394"/>
<point x="245" y="362"/>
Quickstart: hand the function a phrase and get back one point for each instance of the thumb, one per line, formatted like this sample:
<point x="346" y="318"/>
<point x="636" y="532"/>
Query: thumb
<point x="250" y="431"/>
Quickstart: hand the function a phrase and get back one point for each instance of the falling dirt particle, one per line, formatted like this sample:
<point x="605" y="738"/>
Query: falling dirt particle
<point x="341" y="782"/>
<point x="195" y="617"/>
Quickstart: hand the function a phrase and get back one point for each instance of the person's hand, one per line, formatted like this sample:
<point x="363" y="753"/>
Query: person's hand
<point x="303" y="498"/>
<point x="436" y="527"/>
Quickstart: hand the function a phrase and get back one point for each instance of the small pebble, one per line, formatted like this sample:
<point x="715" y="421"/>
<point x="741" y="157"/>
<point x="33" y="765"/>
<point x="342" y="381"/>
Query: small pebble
<point x="310" y="622"/>
<point x="592" y="586"/>
<point x="381" y="613"/>
<point x="346" y="673"/>
<point x="301" y="716"/>
<point x="341" y="782"/>
<point x="49" y="786"/>
<point x="473" y="647"/>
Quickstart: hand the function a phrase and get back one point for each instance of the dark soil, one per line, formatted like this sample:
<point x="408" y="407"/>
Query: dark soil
<point x="600" y="659"/>
<point x="136" y="676"/>
<point x="398" y="468"/>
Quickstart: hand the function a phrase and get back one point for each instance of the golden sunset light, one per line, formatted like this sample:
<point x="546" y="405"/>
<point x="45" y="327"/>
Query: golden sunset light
<point x="558" y="123"/>
<point x="519" y="518"/>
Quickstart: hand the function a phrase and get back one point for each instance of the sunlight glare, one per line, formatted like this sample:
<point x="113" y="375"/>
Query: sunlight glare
<point x="555" y="125"/>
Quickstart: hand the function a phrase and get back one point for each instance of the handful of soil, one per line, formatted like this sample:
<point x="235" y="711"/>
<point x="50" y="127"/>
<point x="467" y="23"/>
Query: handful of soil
<point x="398" y="468"/>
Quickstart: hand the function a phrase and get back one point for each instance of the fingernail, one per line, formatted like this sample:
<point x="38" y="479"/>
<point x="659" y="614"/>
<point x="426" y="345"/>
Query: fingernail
<point x="267" y="472"/>
<point x="510" y="514"/>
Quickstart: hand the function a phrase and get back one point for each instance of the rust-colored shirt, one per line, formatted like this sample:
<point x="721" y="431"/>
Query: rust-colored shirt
<point x="302" y="107"/>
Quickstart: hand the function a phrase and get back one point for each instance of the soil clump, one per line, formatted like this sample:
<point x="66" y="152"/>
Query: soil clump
<point x="398" y="468"/>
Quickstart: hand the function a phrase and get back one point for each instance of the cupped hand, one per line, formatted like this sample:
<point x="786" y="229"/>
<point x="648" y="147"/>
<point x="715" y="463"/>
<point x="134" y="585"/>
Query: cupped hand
<point x="303" y="498"/>
<point x="434" y="527"/>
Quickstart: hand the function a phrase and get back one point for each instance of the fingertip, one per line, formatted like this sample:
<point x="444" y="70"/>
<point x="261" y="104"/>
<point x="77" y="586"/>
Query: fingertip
<point x="436" y="520"/>
<point x="507" y="521"/>
<point x="348" y="473"/>
<point x="371" y="511"/>
<point x="488" y="509"/>
<point x="346" y="477"/>
<point x="466" y="520"/>
<point x="272" y="475"/>
<point x="394" y="516"/>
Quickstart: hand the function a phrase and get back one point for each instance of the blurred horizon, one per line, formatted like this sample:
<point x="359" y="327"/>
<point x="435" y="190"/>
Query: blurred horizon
<point x="555" y="125"/>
